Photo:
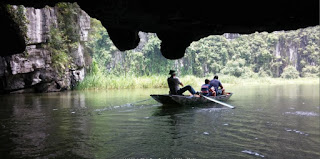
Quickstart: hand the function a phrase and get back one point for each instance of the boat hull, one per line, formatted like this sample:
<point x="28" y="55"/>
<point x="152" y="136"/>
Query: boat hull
<point x="188" y="100"/>
<point x="164" y="99"/>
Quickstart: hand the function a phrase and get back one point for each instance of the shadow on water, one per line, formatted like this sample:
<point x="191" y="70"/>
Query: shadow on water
<point x="170" y="110"/>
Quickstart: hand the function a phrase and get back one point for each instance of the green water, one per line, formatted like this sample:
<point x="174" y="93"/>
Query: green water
<point x="268" y="122"/>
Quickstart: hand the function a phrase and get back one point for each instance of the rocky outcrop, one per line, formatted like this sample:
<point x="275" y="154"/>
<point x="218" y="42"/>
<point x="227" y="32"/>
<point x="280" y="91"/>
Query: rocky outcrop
<point x="32" y="70"/>
<point x="40" y="22"/>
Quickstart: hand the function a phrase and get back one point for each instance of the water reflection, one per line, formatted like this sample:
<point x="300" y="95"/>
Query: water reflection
<point x="273" y="121"/>
<point x="40" y="124"/>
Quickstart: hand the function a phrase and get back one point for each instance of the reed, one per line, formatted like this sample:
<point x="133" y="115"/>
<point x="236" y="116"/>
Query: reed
<point x="102" y="81"/>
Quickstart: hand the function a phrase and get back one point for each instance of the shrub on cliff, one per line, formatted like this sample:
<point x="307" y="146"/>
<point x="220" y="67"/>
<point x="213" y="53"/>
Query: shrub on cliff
<point x="64" y="37"/>
<point x="67" y="20"/>
<point x="18" y="15"/>
<point x="58" y="47"/>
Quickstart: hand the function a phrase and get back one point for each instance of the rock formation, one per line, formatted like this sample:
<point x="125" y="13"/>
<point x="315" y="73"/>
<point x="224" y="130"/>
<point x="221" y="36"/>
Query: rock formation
<point x="31" y="70"/>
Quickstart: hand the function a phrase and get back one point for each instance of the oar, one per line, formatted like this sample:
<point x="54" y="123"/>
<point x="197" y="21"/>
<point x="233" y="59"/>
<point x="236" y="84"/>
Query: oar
<point x="219" y="102"/>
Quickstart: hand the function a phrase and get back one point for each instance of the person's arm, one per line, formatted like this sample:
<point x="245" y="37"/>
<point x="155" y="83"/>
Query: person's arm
<point x="210" y="85"/>
<point x="180" y="82"/>
<point x="220" y="85"/>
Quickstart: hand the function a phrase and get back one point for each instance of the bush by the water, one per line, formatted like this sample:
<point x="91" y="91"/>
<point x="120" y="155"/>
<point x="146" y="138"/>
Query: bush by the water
<point x="234" y="68"/>
<point x="310" y="71"/>
<point x="290" y="72"/>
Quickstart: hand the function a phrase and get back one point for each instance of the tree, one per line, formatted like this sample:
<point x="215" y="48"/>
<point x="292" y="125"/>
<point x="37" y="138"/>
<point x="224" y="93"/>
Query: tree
<point x="235" y="68"/>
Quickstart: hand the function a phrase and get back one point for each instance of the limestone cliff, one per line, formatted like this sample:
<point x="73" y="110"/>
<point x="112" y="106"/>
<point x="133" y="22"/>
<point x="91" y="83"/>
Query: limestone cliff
<point x="32" y="70"/>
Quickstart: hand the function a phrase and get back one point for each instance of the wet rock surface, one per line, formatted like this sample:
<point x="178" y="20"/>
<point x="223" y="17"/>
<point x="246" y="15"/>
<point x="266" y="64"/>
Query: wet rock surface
<point x="32" y="70"/>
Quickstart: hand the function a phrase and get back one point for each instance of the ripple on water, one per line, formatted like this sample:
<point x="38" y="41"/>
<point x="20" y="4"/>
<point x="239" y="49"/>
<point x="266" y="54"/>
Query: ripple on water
<point x="211" y="109"/>
<point x="206" y="133"/>
<point x="302" y="113"/>
<point x="296" y="131"/>
<point x="252" y="153"/>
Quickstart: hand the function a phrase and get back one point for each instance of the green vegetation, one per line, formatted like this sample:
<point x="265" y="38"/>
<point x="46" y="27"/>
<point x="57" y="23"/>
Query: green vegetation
<point x="18" y="15"/>
<point x="58" y="46"/>
<point x="65" y="37"/>
<point x="255" y="58"/>
<point x="101" y="81"/>
<point x="99" y="45"/>
<point x="290" y="72"/>
<point x="68" y="21"/>
<point x="310" y="71"/>
<point x="144" y="62"/>
<point x="266" y="54"/>
<point x="263" y="57"/>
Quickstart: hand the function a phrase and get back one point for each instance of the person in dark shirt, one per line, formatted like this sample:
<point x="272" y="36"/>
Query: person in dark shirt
<point x="205" y="90"/>
<point x="174" y="82"/>
<point x="215" y="83"/>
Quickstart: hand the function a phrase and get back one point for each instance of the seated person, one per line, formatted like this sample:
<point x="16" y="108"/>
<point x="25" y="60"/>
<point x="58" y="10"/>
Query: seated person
<point x="174" y="83"/>
<point x="205" y="90"/>
<point x="215" y="83"/>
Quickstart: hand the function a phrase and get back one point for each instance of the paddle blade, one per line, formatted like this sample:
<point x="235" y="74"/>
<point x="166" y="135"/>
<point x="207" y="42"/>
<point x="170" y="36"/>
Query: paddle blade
<point x="219" y="102"/>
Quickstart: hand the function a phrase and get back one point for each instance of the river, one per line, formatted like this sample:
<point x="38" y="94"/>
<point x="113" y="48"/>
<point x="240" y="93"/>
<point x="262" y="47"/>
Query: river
<point x="269" y="121"/>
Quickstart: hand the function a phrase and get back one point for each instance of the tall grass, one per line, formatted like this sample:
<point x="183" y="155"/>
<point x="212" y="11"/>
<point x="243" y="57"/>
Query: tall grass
<point x="102" y="81"/>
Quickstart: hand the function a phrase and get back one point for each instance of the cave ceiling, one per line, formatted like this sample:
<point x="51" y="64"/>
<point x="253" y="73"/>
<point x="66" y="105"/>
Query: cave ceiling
<point x="177" y="23"/>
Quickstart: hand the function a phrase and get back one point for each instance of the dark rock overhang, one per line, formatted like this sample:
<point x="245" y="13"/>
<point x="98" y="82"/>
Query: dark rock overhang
<point x="177" y="23"/>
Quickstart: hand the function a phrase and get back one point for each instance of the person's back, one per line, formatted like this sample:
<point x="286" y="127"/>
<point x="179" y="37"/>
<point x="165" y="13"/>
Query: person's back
<point x="205" y="88"/>
<point x="173" y="83"/>
<point x="215" y="83"/>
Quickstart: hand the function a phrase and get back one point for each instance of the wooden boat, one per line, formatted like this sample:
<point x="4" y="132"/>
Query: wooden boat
<point x="164" y="99"/>
<point x="187" y="100"/>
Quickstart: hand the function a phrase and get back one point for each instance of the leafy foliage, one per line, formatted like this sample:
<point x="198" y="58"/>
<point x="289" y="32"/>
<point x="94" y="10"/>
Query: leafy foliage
<point x="259" y="54"/>
<point x="65" y="37"/>
<point x="59" y="50"/>
<point x="19" y="16"/>
<point x="67" y="20"/>
<point x="99" y="45"/>
<point x="235" y="68"/>
<point x="248" y="56"/>
<point x="290" y="72"/>
<point x="311" y="71"/>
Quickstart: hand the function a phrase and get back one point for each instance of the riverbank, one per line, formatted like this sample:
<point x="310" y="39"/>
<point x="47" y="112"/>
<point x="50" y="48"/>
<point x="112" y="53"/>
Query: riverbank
<point x="100" y="81"/>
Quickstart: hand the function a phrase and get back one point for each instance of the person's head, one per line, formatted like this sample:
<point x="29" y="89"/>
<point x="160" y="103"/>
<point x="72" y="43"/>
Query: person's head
<point x="172" y="72"/>
<point x="215" y="77"/>
<point x="206" y="81"/>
